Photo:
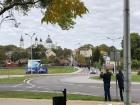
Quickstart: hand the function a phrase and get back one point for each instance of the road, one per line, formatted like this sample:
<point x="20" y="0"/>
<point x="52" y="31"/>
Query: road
<point x="74" y="83"/>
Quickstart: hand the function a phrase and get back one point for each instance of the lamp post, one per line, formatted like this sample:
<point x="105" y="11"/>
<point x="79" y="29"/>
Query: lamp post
<point x="31" y="51"/>
<point x="127" y="54"/>
<point x="114" y="50"/>
<point x="31" y="37"/>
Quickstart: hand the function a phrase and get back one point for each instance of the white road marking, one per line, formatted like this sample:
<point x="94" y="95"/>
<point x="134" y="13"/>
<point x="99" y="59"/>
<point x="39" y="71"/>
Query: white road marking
<point x="29" y="82"/>
<point x="17" y="85"/>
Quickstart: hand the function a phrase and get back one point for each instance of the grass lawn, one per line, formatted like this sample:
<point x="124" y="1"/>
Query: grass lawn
<point x="46" y="95"/>
<point x="51" y="70"/>
<point x="61" y="69"/>
<point x="134" y="77"/>
<point x="13" y="71"/>
<point x="13" y="80"/>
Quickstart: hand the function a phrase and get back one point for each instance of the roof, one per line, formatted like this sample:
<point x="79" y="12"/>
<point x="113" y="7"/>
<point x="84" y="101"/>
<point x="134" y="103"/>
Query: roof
<point x="49" y="40"/>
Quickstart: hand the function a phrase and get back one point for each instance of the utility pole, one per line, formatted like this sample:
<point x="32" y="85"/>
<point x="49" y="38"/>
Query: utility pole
<point x="127" y="55"/>
<point x="31" y="50"/>
<point x="115" y="69"/>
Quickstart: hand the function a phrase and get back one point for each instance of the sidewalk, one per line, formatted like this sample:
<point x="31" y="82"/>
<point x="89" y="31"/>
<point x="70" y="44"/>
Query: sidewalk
<point x="14" y="101"/>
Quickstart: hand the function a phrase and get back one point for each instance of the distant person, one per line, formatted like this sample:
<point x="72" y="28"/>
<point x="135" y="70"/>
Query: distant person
<point x="101" y="74"/>
<point x="88" y="67"/>
<point x="113" y="70"/>
<point x="120" y="79"/>
<point x="106" y="79"/>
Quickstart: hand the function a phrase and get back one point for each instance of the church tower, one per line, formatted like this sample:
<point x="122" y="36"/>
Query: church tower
<point x="40" y="41"/>
<point x="49" y="43"/>
<point x="21" y="42"/>
<point x="36" y="41"/>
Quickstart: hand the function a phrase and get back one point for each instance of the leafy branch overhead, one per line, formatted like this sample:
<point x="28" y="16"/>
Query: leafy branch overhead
<point x="61" y="12"/>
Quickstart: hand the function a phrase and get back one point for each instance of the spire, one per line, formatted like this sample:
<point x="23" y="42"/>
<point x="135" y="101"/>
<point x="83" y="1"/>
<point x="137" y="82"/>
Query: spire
<point x="21" y="38"/>
<point x="36" y="39"/>
<point x="21" y="42"/>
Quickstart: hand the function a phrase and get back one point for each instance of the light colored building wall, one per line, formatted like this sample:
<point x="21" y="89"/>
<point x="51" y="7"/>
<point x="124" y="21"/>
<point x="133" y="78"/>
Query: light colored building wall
<point x="86" y="53"/>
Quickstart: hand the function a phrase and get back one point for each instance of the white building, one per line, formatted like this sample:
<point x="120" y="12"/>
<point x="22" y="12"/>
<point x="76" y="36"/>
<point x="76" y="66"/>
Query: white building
<point x="86" y="52"/>
<point x="50" y="53"/>
<point x="48" y="43"/>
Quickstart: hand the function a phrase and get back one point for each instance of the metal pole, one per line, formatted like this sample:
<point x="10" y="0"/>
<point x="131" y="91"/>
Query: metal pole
<point x="31" y="48"/>
<point x="127" y="55"/>
<point x="31" y="36"/>
<point x="115" y="69"/>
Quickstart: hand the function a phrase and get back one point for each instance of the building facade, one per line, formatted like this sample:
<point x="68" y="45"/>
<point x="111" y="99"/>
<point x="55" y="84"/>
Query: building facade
<point x="48" y="43"/>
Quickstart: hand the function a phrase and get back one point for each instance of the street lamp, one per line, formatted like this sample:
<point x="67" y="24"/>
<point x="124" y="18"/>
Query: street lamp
<point x="31" y="37"/>
<point x="31" y="51"/>
<point x="127" y="54"/>
<point x="113" y="39"/>
<point x="114" y="50"/>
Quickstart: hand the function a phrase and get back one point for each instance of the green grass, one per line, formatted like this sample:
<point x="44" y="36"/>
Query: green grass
<point x="134" y="78"/>
<point x="51" y="70"/>
<point x="12" y="80"/>
<point x="19" y="71"/>
<point x="46" y="95"/>
<point x="60" y="69"/>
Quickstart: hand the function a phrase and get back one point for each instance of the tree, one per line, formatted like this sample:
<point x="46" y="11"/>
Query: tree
<point x="137" y="52"/>
<point x="18" y="55"/>
<point x="67" y="52"/>
<point x="61" y="12"/>
<point x="2" y="54"/>
<point x="96" y="55"/>
<point x="58" y="51"/>
<point x="38" y="51"/>
<point x="86" y="46"/>
<point x="104" y="47"/>
<point x="135" y="40"/>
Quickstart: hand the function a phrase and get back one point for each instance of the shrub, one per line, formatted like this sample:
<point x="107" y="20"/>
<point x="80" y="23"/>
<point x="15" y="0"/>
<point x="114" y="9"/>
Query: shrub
<point x="138" y="73"/>
<point x="135" y="64"/>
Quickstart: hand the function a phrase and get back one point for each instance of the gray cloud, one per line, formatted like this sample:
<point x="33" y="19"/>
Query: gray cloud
<point x="105" y="18"/>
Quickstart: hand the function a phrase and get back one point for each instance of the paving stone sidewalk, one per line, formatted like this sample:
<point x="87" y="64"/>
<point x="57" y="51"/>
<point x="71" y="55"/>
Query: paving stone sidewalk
<point x="14" y="101"/>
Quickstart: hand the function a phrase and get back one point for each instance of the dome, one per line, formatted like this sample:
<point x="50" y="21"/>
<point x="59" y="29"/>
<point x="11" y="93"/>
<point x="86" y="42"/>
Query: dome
<point x="48" y="39"/>
<point x="40" y="40"/>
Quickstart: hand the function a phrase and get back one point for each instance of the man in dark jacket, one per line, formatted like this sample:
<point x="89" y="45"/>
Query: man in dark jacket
<point x="120" y="79"/>
<point x="106" y="79"/>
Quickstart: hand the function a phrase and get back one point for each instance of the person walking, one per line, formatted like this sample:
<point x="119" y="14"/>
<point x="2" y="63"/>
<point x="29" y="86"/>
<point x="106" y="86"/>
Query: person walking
<point x="106" y="80"/>
<point x="120" y="79"/>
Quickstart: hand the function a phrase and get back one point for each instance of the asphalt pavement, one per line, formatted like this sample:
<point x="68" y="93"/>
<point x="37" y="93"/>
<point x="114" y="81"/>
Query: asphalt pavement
<point x="78" y="83"/>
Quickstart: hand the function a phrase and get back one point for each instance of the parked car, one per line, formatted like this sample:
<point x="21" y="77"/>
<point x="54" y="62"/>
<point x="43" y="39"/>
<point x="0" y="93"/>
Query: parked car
<point x="93" y="71"/>
<point x="35" y="66"/>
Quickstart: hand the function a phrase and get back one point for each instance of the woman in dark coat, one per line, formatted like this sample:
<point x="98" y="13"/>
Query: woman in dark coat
<point x="120" y="79"/>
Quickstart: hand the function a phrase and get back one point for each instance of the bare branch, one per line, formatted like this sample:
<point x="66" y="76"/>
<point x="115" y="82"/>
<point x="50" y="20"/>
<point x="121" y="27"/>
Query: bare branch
<point x="16" y="4"/>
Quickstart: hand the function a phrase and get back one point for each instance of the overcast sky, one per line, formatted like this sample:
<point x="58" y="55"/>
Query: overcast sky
<point x="105" y="19"/>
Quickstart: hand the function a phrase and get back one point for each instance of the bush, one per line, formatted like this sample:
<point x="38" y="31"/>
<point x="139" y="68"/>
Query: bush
<point x="138" y="73"/>
<point x="135" y="64"/>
